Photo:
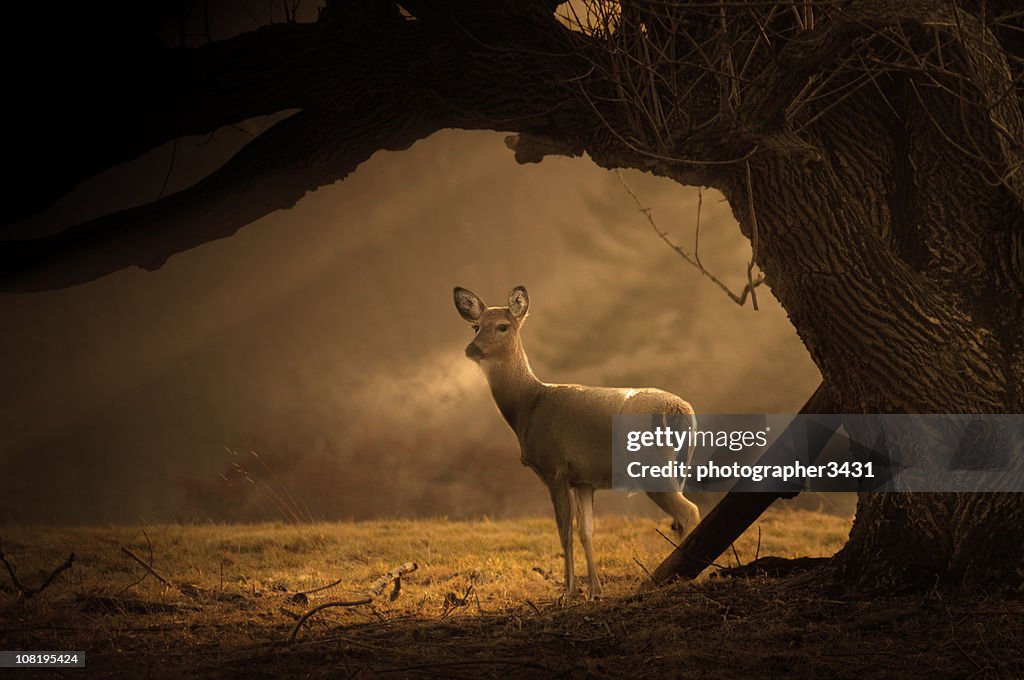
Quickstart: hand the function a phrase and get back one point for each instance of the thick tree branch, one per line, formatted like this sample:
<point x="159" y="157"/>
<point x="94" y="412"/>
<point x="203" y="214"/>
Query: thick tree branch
<point x="361" y="93"/>
<point x="123" y="109"/>
<point x="368" y="77"/>
<point x="136" y="99"/>
<point x="297" y="155"/>
<point x="270" y="173"/>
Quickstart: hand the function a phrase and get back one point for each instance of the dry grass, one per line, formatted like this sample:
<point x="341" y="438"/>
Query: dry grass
<point x="481" y="603"/>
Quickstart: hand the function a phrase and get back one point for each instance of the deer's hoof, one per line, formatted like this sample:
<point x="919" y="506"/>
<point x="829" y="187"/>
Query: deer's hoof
<point x="569" y="597"/>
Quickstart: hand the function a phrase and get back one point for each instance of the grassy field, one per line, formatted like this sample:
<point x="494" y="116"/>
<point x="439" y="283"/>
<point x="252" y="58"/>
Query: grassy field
<point x="482" y="602"/>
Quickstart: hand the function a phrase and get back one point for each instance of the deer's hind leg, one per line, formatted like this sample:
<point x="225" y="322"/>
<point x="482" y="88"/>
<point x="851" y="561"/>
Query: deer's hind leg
<point x="684" y="513"/>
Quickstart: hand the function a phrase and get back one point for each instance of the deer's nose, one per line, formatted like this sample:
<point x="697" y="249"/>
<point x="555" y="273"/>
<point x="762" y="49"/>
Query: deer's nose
<point x="474" y="352"/>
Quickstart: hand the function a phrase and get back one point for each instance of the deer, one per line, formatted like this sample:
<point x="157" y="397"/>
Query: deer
<point x="564" y="431"/>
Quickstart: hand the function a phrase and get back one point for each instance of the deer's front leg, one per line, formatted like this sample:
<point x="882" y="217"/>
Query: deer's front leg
<point x="561" y="499"/>
<point x="585" y="522"/>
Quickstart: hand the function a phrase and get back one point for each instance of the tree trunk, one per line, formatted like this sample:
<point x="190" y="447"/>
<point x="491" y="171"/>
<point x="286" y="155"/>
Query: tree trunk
<point x="886" y="253"/>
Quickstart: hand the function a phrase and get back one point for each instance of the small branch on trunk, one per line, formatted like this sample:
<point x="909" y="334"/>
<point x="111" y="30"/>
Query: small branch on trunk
<point x="740" y="299"/>
<point x="753" y="240"/>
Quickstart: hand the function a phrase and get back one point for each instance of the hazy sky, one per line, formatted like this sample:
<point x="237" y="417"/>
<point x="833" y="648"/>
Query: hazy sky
<point x="325" y="338"/>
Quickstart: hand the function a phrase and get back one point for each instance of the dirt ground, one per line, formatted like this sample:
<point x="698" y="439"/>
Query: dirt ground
<point x="465" y="614"/>
<point x="757" y="628"/>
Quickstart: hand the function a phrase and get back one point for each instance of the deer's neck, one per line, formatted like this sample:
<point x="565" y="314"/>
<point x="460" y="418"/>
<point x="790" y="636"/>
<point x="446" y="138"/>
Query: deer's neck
<point x="513" y="385"/>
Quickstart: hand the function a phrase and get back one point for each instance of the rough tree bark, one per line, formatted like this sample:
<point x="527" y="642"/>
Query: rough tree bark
<point x="870" y="149"/>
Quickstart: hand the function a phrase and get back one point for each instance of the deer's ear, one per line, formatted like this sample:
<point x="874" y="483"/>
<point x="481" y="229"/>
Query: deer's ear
<point x="518" y="302"/>
<point x="469" y="304"/>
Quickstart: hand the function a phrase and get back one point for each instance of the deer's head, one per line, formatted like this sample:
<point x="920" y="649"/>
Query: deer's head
<point x="497" y="328"/>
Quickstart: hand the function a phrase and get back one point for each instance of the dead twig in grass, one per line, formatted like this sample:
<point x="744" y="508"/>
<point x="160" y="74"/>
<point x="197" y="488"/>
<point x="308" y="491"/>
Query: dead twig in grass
<point x="453" y="601"/>
<point x="317" y="590"/>
<point x="25" y="592"/>
<point x="671" y="542"/>
<point x="641" y="565"/>
<point x="736" y="555"/>
<point x="326" y="605"/>
<point x="148" y="566"/>
<point x="375" y="590"/>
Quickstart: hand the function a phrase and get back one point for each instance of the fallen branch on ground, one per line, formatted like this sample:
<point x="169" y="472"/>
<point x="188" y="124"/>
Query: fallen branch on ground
<point x="147" y="565"/>
<point x="395" y="576"/>
<point x="317" y="590"/>
<point x="30" y="592"/>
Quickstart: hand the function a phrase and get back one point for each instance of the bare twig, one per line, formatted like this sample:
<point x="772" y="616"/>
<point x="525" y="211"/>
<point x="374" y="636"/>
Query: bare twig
<point x="326" y="587"/>
<point x="25" y="592"/>
<point x="392" y="575"/>
<point x="740" y="299"/>
<point x="736" y="555"/>
<point x="289" y="613"/>
<point x="674" y="544"/>
<point x="170" y="167"/>
<point x="453" y="601"/>
<point x="366" y="599"/>
<point x="149" y="546"/>
<point x="147" y="565"/>
<point x="754" y="240"/>
<point x="641" y="565"/>
<point x="375" y="590"/>
<point x="696" y="234"/>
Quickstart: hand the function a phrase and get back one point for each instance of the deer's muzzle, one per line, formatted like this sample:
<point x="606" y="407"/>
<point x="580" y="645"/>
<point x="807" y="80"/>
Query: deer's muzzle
<point x="474" y="352"/>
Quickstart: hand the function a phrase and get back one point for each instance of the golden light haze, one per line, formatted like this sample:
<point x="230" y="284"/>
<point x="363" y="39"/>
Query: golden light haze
<point x="324" y="338"/>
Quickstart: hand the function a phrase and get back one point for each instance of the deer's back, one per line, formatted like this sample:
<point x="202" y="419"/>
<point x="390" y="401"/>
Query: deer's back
<point x="568" y="431"/>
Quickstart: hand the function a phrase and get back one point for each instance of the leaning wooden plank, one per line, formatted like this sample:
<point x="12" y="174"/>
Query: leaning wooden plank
<point x="739" y="509"/>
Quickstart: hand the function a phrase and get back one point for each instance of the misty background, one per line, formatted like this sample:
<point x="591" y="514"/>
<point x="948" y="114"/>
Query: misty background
<point x="324" y="338"/>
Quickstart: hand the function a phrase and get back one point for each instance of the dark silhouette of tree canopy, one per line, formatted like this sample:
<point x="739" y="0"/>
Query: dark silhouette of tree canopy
<point x="870" y="149"/>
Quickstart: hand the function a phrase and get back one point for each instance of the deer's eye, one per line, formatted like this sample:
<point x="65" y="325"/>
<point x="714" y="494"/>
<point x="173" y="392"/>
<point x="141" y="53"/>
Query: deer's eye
<point x="476" y="328"/>
<point x="503" y="328"/>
